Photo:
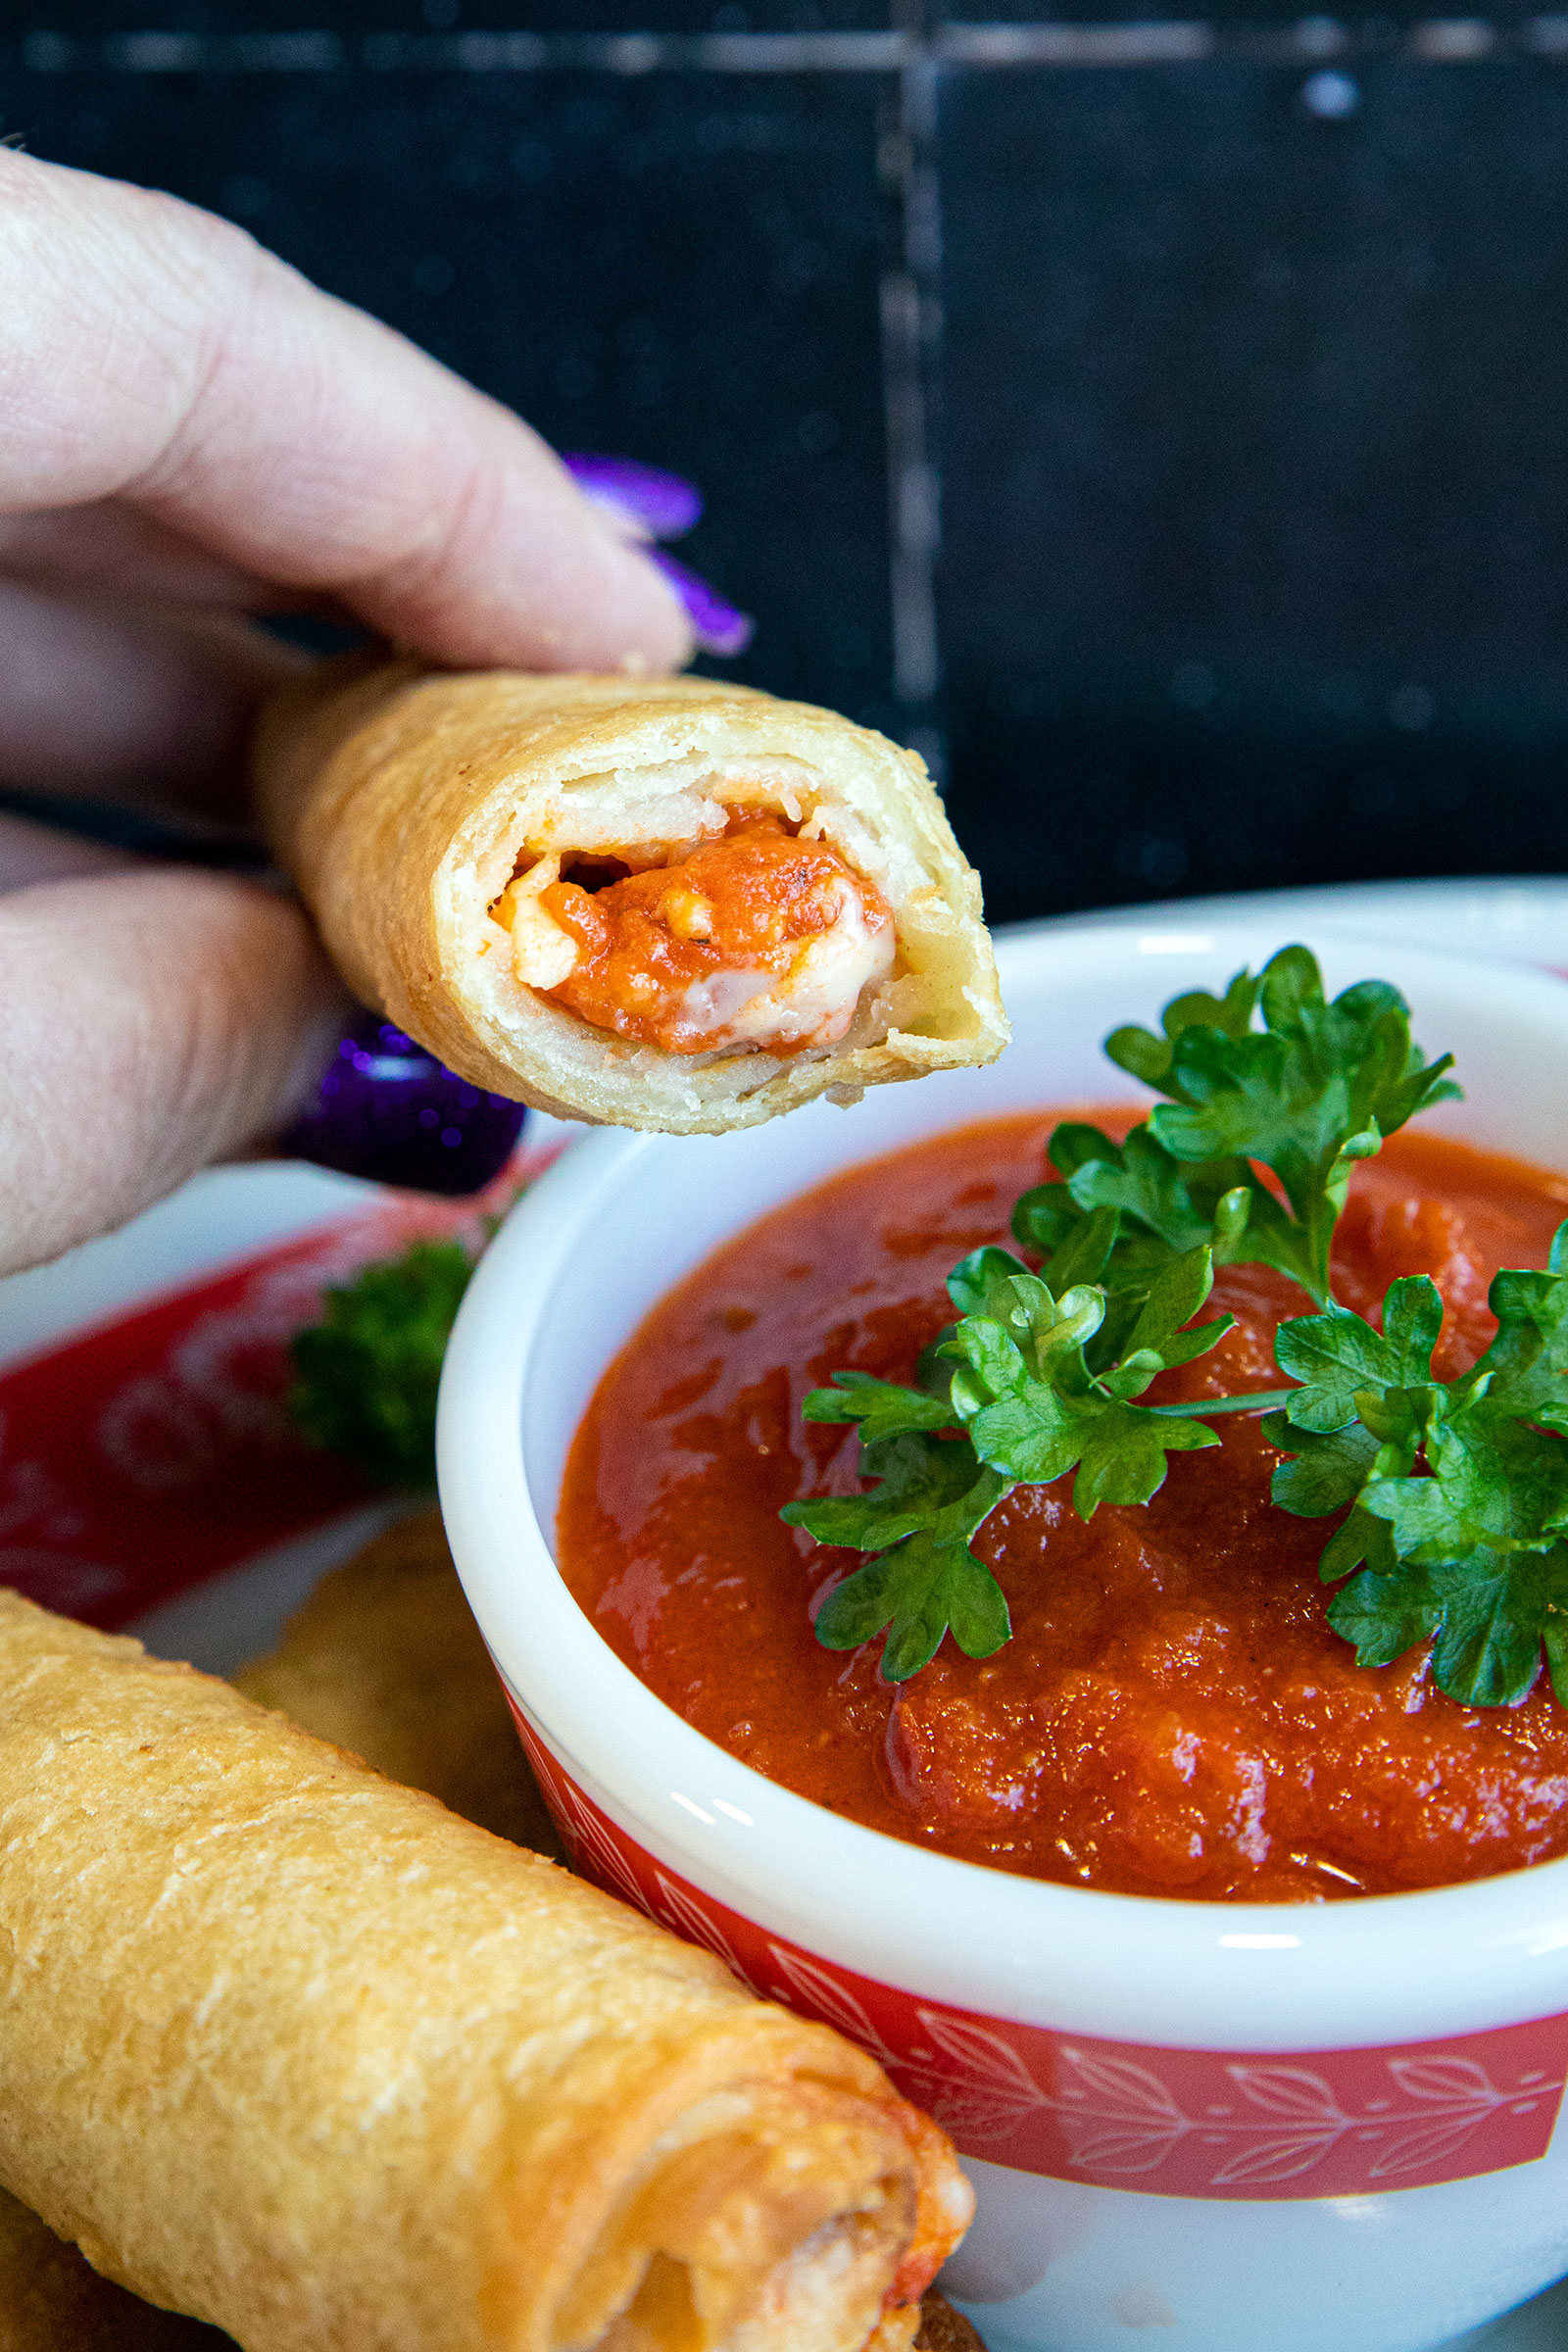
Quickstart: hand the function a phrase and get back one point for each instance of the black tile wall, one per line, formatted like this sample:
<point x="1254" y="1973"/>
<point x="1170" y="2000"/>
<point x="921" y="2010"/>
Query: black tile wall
<point x="680" y="267"/>
<point x="1229" y="347"/>
<point x="1257" y="508"/>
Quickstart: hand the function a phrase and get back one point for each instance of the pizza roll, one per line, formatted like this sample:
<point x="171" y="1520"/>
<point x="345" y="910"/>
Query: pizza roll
<point x="295" y="2051"/>
<point x="665" y="904"/>
<point x="385" y="1660"/>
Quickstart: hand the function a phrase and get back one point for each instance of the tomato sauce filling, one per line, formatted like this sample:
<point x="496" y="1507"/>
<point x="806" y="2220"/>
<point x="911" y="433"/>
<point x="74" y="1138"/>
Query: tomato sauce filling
<point x="1173" y="1716"/>
<point x="755" y="940"/>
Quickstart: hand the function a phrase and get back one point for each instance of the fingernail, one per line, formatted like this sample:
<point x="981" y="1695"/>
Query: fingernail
<point x="656" y="505"/>
<point x="385" y="1108"/>
<point x="720" y="627"/>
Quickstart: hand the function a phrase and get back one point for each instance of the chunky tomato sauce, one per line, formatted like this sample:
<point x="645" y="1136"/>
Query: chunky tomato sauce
<point x="1173" y="1715"/>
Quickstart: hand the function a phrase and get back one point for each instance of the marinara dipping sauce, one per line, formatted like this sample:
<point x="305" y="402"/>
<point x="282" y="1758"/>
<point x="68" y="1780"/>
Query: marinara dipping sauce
<point x="1173" y="1715"/>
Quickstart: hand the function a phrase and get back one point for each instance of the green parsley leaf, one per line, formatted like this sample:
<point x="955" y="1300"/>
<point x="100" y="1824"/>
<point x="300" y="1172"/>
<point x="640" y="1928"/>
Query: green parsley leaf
<point x="1086" y="1252"/>
<point x="1467" y="1552"/>
<point x="1315" y="1092"/>
<point x="1494" y="1484"/>
<point x="1359" y="1542"/>
<point x="917" y="1478"/>
<point x="1341" y="1359"/>
<point x="1325" y="1471"/>
<point x="982" y="1282"/>
<point x="1383" y="1615"/>
<point x="1124" y="1452"/>
<point x="881" y="1408"/>
<point x="1526" y="1367"/>
<point x="366" y="1376"/>
<point x="1178" y="1204"/>
<point x="1157" y="1341"/>
<point x="1033" y="1404"/>
<point x="1149" y="1057"/>
<point x="1491" y="1616"/>
<point x="1125" y="1210"/>
<point x="930" y="1498"/>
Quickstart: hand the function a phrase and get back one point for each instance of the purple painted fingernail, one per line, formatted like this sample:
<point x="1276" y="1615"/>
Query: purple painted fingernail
<point x="661" y="506"/>
<point x="657" y="504"/>
<point x="387" y="1110"/>
<point x="720" y="627"/>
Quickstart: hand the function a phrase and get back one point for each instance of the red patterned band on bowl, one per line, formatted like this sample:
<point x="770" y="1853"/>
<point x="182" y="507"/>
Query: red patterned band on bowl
<point x="1212" y="2124"/>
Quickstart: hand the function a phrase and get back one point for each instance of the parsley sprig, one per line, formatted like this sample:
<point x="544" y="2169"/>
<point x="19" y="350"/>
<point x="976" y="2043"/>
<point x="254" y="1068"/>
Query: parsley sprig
<point x="1305" y="1097"/>
<point x="1034" y="1399"/>
<point x="1457" y="1490"/>
<point x="366" y="1376"/>
<point x="1454" y="1494"/>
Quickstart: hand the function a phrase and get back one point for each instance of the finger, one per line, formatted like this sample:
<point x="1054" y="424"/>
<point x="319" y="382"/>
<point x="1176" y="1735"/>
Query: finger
<point x="154" y="353"/>
<point x="154" y="1023"/>
<point x="99" y="698"/>
<point x="31" y="853"/>
<point x="111" y="548"/>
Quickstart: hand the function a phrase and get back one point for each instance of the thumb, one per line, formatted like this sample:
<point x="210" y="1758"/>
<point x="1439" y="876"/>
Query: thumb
<point x="154" y="1023"/>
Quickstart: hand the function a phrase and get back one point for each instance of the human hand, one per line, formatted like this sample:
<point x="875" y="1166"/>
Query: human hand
<point x="191" y="434"/>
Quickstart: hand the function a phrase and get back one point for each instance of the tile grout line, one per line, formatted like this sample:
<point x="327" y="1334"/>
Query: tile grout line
<point x="907" y="48"/>
<point x="911" y="350"/>
<point x="916" y="50"/>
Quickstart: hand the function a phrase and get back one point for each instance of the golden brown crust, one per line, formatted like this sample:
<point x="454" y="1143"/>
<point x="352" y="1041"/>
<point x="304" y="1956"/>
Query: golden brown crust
<point x="385" y="1660"/>
<point x="296" y="2051"/>
<point x="944" y="2330"/>
<point x="400" y="799"/>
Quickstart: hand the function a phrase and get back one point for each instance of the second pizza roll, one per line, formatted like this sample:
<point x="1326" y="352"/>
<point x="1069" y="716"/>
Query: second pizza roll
<point x="294" y="2051"/>
<point x="667" y="903"/>
<point x="385" y="1660"/>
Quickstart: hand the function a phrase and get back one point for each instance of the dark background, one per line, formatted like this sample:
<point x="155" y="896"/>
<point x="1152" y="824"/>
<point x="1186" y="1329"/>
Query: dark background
<point x="1164" y="424"/>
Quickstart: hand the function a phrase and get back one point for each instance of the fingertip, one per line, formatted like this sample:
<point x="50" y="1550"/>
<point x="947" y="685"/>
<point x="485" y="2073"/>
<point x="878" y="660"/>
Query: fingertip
<point x="593" y="598"/>
<point x="610" y="604"/>
<point x="301" y="442"/>
<point x="660" y="634"/>
<point x="526" y="571"/>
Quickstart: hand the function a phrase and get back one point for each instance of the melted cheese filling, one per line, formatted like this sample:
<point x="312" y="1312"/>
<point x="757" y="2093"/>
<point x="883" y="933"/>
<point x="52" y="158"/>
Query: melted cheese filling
<point x="757" y="942"/>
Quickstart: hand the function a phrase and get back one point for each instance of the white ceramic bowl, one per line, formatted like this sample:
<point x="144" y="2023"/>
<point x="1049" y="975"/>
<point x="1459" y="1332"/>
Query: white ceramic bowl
<point x="1243" y="2127"/>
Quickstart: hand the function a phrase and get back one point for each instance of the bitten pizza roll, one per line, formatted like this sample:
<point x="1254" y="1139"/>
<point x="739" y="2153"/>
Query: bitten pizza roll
<point x="645" y="903"/>
<point x="297" y="2052"/>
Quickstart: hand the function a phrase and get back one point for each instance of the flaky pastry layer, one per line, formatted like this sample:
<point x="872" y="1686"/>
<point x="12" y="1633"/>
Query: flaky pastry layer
<point x="404" y="801"/>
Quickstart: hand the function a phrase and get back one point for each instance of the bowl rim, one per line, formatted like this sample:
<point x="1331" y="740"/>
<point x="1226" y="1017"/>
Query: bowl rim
<point x="1381" y="1969"/>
